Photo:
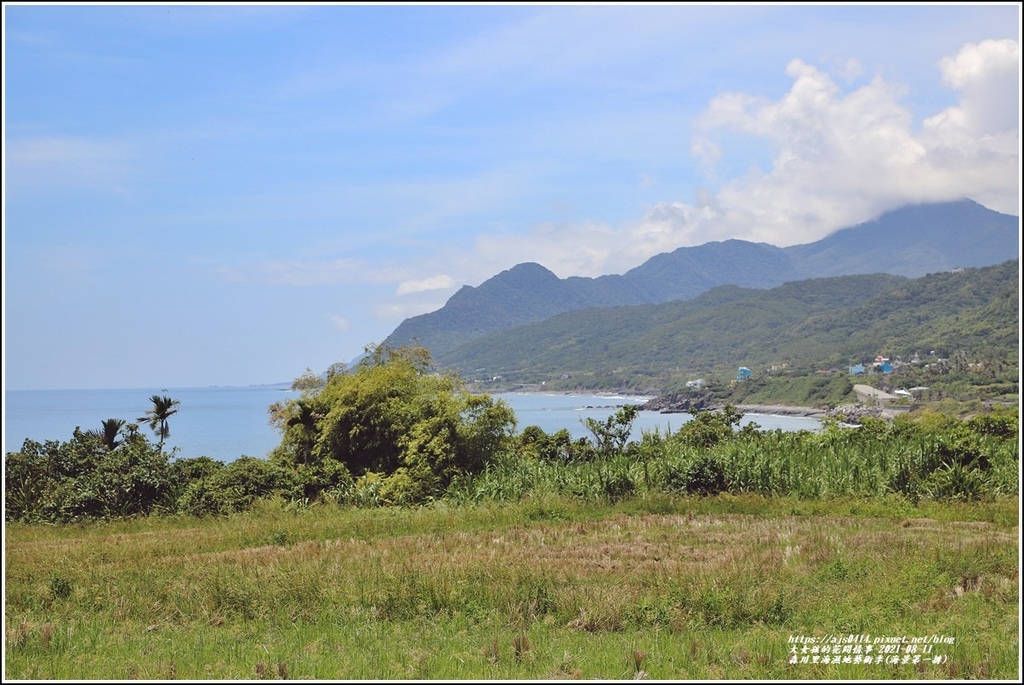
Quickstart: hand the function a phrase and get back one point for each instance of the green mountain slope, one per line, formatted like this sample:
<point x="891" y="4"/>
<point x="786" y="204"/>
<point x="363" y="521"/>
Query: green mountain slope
<point x="804" y="324"/>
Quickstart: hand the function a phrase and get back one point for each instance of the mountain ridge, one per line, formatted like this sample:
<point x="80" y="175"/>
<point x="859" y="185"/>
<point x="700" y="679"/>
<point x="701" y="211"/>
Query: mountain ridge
<point x="804" y="325"/>
<point x="910" y="241"/>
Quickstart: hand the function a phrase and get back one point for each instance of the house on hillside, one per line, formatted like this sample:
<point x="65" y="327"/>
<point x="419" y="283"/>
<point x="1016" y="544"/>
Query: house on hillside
<point x="857" y="369"/>
<point x="742" y="374"/>
<point x="697" y="384"/>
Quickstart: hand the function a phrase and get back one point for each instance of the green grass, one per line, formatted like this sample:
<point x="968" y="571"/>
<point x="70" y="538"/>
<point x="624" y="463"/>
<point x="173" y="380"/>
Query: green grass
<point x="550" y="586"/>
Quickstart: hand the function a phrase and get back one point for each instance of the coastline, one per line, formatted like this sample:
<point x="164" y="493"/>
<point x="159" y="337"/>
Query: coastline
<point x="781" y="410"/>
<point x="643" y="398"/>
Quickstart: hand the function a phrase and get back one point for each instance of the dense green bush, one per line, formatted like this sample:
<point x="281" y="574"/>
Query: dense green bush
<point x="390" y="416"/>
<point x="85" y="478"/>
<point x="708" y="428"/>
<point x="237" y="485"/>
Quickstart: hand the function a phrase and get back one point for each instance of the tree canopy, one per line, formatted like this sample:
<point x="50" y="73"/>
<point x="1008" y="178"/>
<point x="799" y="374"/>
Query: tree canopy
<point x="391" y="417"/>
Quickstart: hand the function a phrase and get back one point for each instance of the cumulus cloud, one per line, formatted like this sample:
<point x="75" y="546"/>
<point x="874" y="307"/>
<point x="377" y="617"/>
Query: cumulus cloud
<point x="411" y="305"/>
<point x="567" y="249"/>
<point x="987" y="74"/>
<point x="843" y="147"/>
<point x="842" y="151"/>
<point x="340" y="322"/>
<point x="439" y="282"/>
<point x="841" y="158"/>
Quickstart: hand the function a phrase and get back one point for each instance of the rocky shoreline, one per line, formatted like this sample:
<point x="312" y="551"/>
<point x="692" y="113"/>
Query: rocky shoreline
<point x="691" y="407"/>
<point x="782" y="410"/>
<point x="673" y="403"/>
<point x="849" y="413"/>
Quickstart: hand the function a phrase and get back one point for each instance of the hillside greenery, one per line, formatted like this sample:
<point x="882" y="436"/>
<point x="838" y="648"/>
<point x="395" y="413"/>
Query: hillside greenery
<point x="962" y="328"/>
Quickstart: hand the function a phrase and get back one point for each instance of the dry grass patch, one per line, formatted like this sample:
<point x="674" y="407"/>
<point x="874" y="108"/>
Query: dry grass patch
<point x="516" y="599"/>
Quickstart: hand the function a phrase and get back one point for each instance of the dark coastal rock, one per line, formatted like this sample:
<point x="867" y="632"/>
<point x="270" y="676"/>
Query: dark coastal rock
<point x="674" y="403"/>
<point x="853" y="413"/>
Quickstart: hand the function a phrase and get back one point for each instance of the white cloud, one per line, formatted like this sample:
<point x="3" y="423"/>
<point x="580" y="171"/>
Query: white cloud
<point x="340" y="322"/>
<point x="439" y="282"/>
<point x="844" y="158"/>
<point x="40" y="163"/>
<point x="296" y="273"/>
<point x="394" y="311"/>
<point x="841" y="155"/>
<point x="987" y="75"/>
<point x="843" y="149"/>
<point x="568" y="249"/>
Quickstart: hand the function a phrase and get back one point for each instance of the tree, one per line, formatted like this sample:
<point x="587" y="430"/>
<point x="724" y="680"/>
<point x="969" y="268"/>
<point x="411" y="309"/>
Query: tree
<point x="309" y="380"/>
<point x="163" y="409"/>
<point x="708" y="428"/>
<point x="108" y="434"/>
<point x="303" y="424"/>
<point x="390" y="415"/>
<point x="611" y="435"/>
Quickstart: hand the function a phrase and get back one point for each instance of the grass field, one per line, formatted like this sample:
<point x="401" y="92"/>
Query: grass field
<point x="660" y="587"/>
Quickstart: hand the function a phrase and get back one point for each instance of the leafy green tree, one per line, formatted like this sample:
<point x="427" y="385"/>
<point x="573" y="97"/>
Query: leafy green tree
<point x="297" y="420"/>
<point x="708" y="428"/>
<point x="390" y="415"/>
<point x="236" y="486"/>
<point x="534" y="443"/>
<point x="156" y="418"/>
<point x="309" y="380"/>
<point x="611" y="435"/>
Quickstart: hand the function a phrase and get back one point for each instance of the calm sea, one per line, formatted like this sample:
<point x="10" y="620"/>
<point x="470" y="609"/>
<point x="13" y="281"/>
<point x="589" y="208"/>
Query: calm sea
<point x="227" y="422"/>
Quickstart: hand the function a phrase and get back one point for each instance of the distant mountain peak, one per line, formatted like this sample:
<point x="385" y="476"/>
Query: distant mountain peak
<point x="909" y="241"/>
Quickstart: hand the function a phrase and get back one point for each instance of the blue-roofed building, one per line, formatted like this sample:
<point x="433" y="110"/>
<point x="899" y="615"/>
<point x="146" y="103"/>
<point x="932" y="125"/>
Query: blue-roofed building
<point x="857" y="369"/>
<point x="743" y="373"/>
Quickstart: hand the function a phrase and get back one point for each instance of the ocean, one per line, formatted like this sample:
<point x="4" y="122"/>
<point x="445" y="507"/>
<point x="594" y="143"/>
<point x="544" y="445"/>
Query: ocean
<point x="225" y="423"/>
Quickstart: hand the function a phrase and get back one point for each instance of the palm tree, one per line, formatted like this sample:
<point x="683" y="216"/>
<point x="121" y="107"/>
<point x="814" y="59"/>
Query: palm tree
<point x="111" y="429"/>
<point x="306" y="418"/>
<point x="109" y="432"/>
<point x="163" y="408"/>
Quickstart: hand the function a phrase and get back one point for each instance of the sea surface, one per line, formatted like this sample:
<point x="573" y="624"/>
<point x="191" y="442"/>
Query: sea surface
<point x="225" y="423"/>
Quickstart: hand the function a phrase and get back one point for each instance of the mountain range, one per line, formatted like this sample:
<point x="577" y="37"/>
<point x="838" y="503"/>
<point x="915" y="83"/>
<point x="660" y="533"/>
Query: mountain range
<point x="804" y="326"/>
<point x="911" y="241"/>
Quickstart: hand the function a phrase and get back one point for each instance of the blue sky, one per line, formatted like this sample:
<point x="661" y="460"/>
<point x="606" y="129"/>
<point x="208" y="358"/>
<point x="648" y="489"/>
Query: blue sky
<point x="226" y="194"/>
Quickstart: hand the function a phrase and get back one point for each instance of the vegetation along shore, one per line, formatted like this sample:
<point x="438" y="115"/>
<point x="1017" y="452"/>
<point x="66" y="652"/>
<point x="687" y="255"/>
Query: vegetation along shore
<point x="404" y="529"/>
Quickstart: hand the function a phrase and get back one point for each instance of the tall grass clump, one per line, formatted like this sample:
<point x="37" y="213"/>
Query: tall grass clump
<point x="929" y="457"/>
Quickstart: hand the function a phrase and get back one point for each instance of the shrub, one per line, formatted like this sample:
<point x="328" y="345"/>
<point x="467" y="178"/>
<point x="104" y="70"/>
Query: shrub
<point x="85" y="478"/>
<point x="389" y="414"/>
<point x="708" y="428"/>
<point x="996" y="424"/>
<point x="238" y="485"/>
<point x="705" y="476"/>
